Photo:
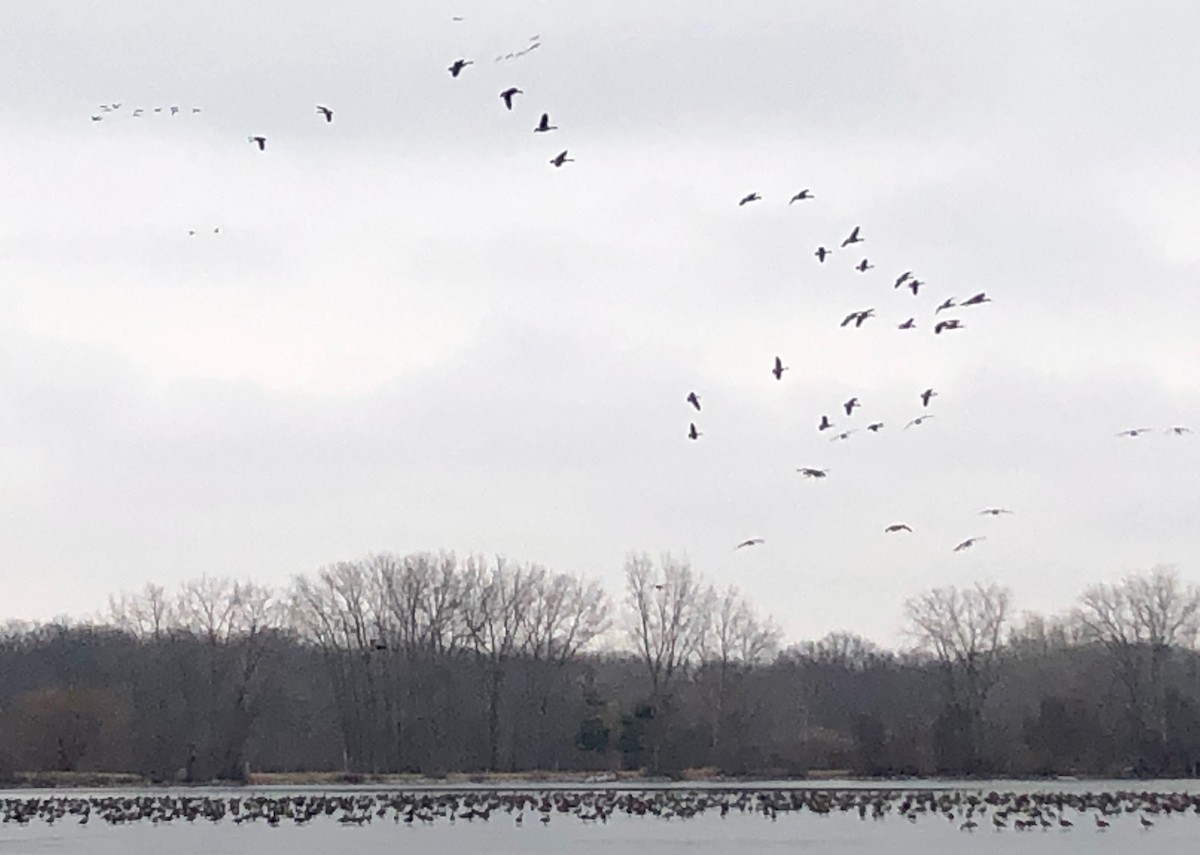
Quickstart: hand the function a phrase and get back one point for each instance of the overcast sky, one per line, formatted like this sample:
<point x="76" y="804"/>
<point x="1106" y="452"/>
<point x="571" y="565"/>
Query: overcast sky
<point x="414" y="333"/>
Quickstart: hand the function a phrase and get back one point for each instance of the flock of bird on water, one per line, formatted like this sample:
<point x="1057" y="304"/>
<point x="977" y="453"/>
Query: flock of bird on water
<point x="968" y="811"/>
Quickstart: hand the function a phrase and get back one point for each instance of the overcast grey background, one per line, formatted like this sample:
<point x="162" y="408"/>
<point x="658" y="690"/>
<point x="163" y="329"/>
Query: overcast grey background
<point x="414" y="333"/>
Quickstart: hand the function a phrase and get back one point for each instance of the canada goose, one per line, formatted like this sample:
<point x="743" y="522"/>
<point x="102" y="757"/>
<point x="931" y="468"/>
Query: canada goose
<point x="875" y="427"/>
<point x="822" y="253"/>
<point x="994" y="512"/>
<point x="694" y="400"/>
<point x="891" y="529"/>
<point x="911" y="323"/>
<point x="948" y="303"/>
<point x="902" y="278"/>
<point x="692" y="432"/>
<point x="326" y="112"/>
<point x="853" y="238"/>
<point x="948" y="324"/>
<point x="825" y="424"/>
<point x="801" y="196"/>
<point x="749" y="197"/>
<point x="863" y="266"/>
<point x="458" y="65"/>
<point x="917" y="421"/>
<point x="507" y="95"/>
<point x="754" y="541"/>
<point x="926" y="396"/>
<point x="812" y="473"/>
<point x="981" y="297"/>
<point x="561" y="158"/>
<point x="779" y="368"/>
<point x="1135" y="431"/>
<point x="261" y="142"/>
<point x="968" y="543"/>
<point x="850" y="405"/>
<point x="544" y="125"/>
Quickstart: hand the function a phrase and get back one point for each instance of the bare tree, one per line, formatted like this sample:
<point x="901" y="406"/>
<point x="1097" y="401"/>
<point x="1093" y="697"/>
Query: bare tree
<point x="964" y="628"/>
<point x="146" y="615"/>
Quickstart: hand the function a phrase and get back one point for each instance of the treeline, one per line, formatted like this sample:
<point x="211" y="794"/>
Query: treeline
<point x="434" y="664"/>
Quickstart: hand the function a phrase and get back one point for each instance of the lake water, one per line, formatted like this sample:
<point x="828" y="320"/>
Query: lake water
<point x="708" y="832"/>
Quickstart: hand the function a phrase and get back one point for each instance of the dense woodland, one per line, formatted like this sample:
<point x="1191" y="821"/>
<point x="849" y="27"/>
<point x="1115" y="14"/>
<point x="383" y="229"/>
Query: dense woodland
<point x="435" y="664"/>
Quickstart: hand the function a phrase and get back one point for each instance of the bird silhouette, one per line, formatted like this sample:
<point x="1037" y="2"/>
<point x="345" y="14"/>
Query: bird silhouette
<point x="174" y="110"/>
<point x="948" y="303"/>
<point x="97" y="118"/>
<point x="694" y="400"/>
<point x="853" y="238"/>
<point x="915" y="285"/>
<point x="801" y="196"/>
<point x="754" y="541"/>
<point x="1178" y="430"/>
<point x="844" y="435"/>
<point x="692" y="432"/>
<point x="456" y="68"/>
<point x="561" y="158"/>
<point x="968" y="543"/>
<point x="825" y="424"/>
<point x="948" y="324"/>
<point x="507" y="95"/>
<point x="981" y="297"/>
<point x="822" y="253"/>
<point x="261" y="142"/>
<point x="544" y="126"/>
<point x="858" y="318"/>
<point x="779" y="368"/>
<point x="902" y="278"/>
<point x="926" y="396"/>
<point x="875" y="427"/>
<point x="863" y="266"/>
<point x="994" y="512"/>
<point x="911" y="323"/>
<point x="812" y="473"/>
<point x="897" y="527"/>
<point x="919" y="420"/>
<point x="750" y="197"/>
<point x="1135" y="431"/>
<point x="850" y="405"/>
<point x="326" y="112"/>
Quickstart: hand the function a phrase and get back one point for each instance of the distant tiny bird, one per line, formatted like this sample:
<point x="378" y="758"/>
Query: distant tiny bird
<point x="507" y="95"/>
<point x="457" y="67"/>
<point x="97" y="118"/>
<point x="948" y="303"/>
<point x="779" y="368"/>
<point x="694" y="400"/>
<point x="801" y="196"/>
<point x="158" y="109"/>
<point x="1101" y="823"/>
<point x="326" y="112"/>
<point x="812" y="473"/>
<point x="968" y="543"/>
<point x="1135" y="431"/>
<point x="844" y="435"/>
<point x="457" y="18"/>
<point x="195" y="109"/>
<point x="911" y="323"/>
<point x="261" y="142"/>
<point x="138" y="112"/>
<point x="919" y="420"/>
<point x="544" y="125"/>
<point x="1145" y="821"/>
<point x="825" y="424"/>
<point x="561" y="158"/>
<point x="948" y="324"/>
<point x="915" y="286"/>
<point x="981" y="297"/>
<point x="853" y="238"/>
<point x="692" y="432"/>
<point x="217" y="230"/>
<point x="117" y="106"/>
<point x="850" y="405"/>
<point x="863" y="266"/>
<point x="995" y="512"/>
<point x="1179" y="430"/>
<point x="754" y="541"/>
<point x="902" y="278"/>
<point x="174" y="110"/>
<point x="822" y="253"/>
<point x="858" y="317"/>
<point x="750" y="197"/>
<point x="897" y="527"/>
<point x="191" y="232"/>
<point x="926" y="396"/>
<point x="875" y="427"/>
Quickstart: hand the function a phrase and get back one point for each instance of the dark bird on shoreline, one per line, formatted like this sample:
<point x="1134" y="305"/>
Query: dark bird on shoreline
<point x="812" y="473"/>
<point x="749" y="197"/>
<point x="261" y="142"/>
<point x="853" y="238"/>
<point x="919" y="420"/>
<point x="902" y="278"/>
<point x="779" y="368"/>
<point x="561" y="158"/>
<point x="911" y="323"/>
<point x="850" y="405"/>
<point x="897" y="527"/>
<point x="692" y="432"/>
<point x="968" y="543"/>
<point x="948" y="324"/>
<point x="926" y="396"/>
<point x="801" y="196"/>
<point x="994" y="512"/>
<point x="326" y="112"/>
<point x="825" y="424"/>
<point x="544" y="126"/>
<point x="507" y="95"/>
<point x="754" y="541"/>
<point x="977" y="299"/>
<point x="863" y="266"/>
<point x="948" y="303"/>
<point x="822" y="253"/>
<point x="694" y="400"/>
<point x="458" y="65"/>
<point x="1135" y="431"/>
